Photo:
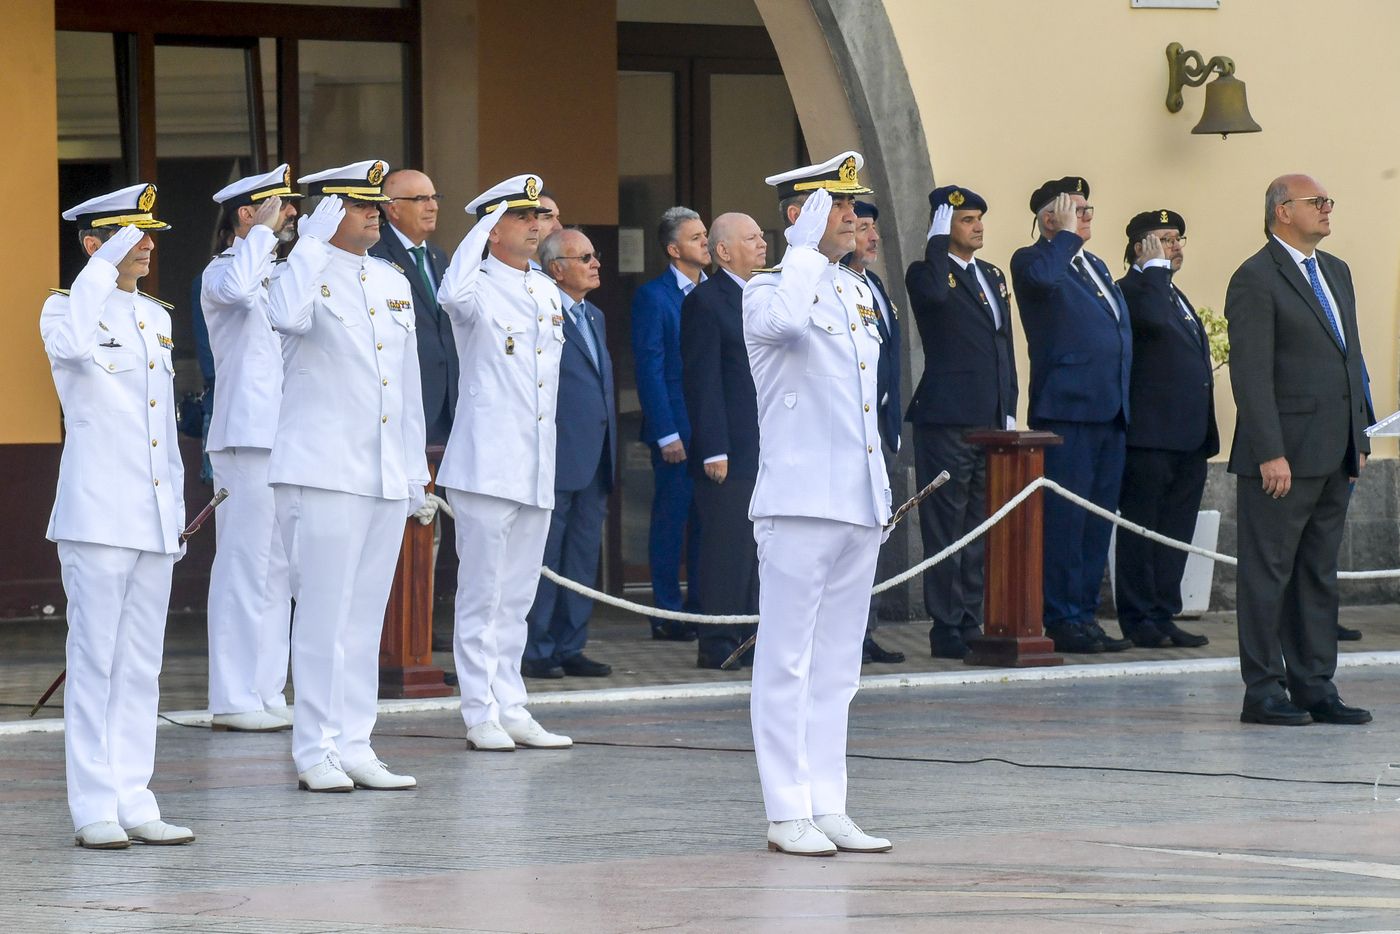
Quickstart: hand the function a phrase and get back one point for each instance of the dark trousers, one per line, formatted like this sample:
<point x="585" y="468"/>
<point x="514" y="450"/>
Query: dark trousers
<point x="1162" y="491"/>
<point x="1090" y="464"/>
<point x="558" y="620"/>
<point x="953" y="588"/>
<point x="674" y="527"/>
<point x="1286" y="588"/>
<point x="728" y="561"/>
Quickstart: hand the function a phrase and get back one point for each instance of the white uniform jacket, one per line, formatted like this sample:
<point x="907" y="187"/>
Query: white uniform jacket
<point x="814" y="350"/>
<point x="120" y="480"/>
<point x="509" y="330"/>
<point x="352" y="406"/>
<point x="247" y="350"/>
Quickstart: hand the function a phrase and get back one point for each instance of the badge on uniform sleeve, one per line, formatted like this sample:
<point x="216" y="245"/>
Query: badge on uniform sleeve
<point x="952" y="283"/>
<point x="325" y="291"/>
<point x="510" y="346"/>
<point x="165" y="342"/>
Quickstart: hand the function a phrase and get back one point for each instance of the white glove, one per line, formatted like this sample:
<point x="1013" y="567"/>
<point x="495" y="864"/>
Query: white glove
<point x="811" y="223"/>
<point x="322" y="223"/>
<point x="119" y="244"/>
<point x="489" y="221"/>
<point x="942" y="221"/>
<point x="417" y="496"/>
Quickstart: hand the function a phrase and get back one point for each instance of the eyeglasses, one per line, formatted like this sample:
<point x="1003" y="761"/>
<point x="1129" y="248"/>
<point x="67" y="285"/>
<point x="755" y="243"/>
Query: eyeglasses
<point x="585" y="257"/>
<point x="1319" y="202"/>
<point x="1171" y="241"/>
<point x="1085" y="211"/>
<point x="420" y="199"/>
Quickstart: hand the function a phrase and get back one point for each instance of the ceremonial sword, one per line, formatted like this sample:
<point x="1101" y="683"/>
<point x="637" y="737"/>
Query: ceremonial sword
<point x="185" y="534"/>
<point x="913" y="503"/>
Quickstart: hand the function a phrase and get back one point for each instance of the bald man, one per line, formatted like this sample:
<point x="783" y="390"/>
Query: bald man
<point x="411" y="215"/>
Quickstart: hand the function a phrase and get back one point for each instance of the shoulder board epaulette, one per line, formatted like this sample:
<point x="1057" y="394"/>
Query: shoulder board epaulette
<point x="387" y="262"/>
<point x="398" y="267"/>
<point x="166" y="305"/>
<point x="767" y="269"/>
<point x="277" y="262"/>
<point x="223" y="256"/>
<point x="59" y="291"/>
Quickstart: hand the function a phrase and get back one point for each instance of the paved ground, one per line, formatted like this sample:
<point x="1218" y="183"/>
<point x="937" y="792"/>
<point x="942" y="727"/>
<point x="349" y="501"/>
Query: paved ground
<point x="1096" y="804"/>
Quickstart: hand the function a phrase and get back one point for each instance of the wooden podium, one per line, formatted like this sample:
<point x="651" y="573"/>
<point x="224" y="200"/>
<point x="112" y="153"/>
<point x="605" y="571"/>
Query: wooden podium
<point x="1012" y="634"/>
<point x="406" y="666"/>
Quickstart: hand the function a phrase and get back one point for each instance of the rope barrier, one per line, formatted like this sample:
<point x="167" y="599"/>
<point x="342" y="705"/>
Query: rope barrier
<point x="1030" y="489"/>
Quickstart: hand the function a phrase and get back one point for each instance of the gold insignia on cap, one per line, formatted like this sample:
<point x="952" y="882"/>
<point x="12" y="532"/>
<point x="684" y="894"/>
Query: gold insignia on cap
<point x="147" y="199"/>
<point x="956" y="198"/>
<point x="847" y="172"/>
<point x="1165" y="219"/>
<point x="376" y="173"/>
<point x="287" y="176"/>
<point x="1079" y="185"/>
<point x="532" y="188"/>
<point x="325" y="291"/>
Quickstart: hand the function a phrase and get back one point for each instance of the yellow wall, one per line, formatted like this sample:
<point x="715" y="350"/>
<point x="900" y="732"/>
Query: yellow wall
<point x="31" y="108"/>
<point x="1028" y="91"/>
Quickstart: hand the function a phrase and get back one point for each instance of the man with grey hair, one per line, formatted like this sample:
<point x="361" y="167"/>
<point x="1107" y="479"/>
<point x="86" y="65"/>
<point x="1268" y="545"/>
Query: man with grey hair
<point x="656" y="352"/>
<point x="585" y="456"/>
<point x="1299" y="386"/>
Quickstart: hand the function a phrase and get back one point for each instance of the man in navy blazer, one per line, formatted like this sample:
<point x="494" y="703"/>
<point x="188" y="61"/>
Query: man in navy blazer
<point x="1081" y="350"/>
<point x="723" y="408"/>
<point x="412" y="212"/>
<point x="963" y="309"/>
<point x="584" y="464"/>
<point x="656" y="353"/>
<point x="1172" y="434"/>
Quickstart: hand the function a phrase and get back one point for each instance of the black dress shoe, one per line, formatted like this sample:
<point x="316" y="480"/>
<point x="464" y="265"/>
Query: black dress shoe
<point x="872" y="651"/>
<point x="449" y="678"/>
<point x="1071" y="639"/>
<point x="541" y="670"/>
<point x="1180" y="637"/>
<point x="715" y="660"/>
<point x="1145" y="634"/>
<point x="673" y="632"/>
<point x="946" y="643"/>
<point x="1276" y="711"/>
<point x="1333" y="710"/>
<point x="1109" y="643"/>
<point x="581" y="666"/>
<point x="1348" y="635"/>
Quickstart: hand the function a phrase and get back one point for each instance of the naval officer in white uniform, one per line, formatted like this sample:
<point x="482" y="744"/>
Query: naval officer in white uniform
<point x="348" y="467"/>
<point x="498" y="468"/>
<point x="250" y="604"/>
<point x="819" y="505"/>
<point x="116" y="518"/>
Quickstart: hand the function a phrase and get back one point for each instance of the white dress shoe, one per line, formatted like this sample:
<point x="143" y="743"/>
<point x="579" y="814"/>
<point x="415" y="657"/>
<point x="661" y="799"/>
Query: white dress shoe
<point x="531" y="735"/>
<point x="281" y="712"/>
<point x="489" y="737"/>
<point x="102" y="835"/>
<point x="159" y="833"/>
<point x="843" y="832"/>
<point x="375" y="776"/>
<point x="799" y="838"/>
<point x="325" y="775"/>
<point x="254" y="721"/>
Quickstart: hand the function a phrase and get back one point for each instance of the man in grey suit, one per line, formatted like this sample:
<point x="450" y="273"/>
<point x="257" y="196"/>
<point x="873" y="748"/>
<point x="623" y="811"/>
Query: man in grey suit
<point x="1295" y="368"/>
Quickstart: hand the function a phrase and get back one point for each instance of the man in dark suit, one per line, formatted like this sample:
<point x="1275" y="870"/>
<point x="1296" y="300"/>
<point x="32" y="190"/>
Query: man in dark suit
<point x="1172" y="434"/>
<point x="412" y="211"/>
<point x="1295" y="368"/>
<point x="1081" y="350"/>
<point x="584" y="457"/>
<point x="887" y="378"/>
<point x="723" y="410"/>
<point x="963" y="310"/>
<point x="656" y="353"/>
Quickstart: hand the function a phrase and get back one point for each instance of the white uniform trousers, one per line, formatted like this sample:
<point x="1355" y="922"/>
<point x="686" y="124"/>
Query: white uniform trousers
<point x="250" y="600"/>
<point x="342" y="550"/>
<point x="814" y="577"/>
<point x="500" y="544"/>
<point x="117" y="604"/>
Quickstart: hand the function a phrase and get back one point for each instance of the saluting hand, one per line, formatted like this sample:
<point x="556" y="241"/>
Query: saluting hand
<point x="1063" y="214"/>
<point x="1151" y="248"/>
<point x="322" y="223"/>
<point x="267" y="213"/>
<point x="942" y="224"/>
<point x="807" y="230"/>
<point x="119" y="244"/>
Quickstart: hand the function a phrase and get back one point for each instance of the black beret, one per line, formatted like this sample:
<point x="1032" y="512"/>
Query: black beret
<point x="1069" y="185"/>
<point x="958" y="198"/>
<point x="1154" y="220"/>
<point x="866" y="209"/>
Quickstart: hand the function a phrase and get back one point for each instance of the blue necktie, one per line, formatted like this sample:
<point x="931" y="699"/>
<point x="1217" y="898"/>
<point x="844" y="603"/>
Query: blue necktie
<point x="1311" y="265"/>
<point x="586" y="329"/>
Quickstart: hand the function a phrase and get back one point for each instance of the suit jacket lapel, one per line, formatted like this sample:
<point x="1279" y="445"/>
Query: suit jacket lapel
<point x="571" y="333"/>
<point x="1197" y="331"/>
<point x="405" y="261"/>
<point x="968" y="280"/>
<point x="1294" y="276"/>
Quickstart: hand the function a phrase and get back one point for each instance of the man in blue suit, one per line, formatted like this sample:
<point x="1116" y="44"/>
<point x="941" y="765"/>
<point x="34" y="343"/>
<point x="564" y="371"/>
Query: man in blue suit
<point x="1081" y="352"/>
<point x="585" y="457"/>
<point x="1172" y="436"/>
<point x="656" y="352"/>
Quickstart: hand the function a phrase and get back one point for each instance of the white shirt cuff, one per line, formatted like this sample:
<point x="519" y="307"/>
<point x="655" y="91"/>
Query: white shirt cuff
<point x="717" y="457"/>
<point x="673" y="436"/>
